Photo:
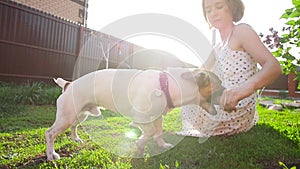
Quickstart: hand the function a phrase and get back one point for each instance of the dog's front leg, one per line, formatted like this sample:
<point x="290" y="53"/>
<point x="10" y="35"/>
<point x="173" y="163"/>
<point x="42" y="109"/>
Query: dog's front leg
<point x="141" y="143"/>
<point x="158" y="134"/>
<point x="148" y="129"/>
<point x="208" y="107"/>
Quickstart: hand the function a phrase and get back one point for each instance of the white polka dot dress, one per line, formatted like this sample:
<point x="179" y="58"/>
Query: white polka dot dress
<point x="233" y="68"/>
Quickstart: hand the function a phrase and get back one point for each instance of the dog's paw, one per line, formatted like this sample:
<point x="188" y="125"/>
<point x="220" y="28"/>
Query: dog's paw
<point x="213" y="112"/>
<point x="53" y="156"/>
<point x="139" y="152"/>
<point x="133" y="124"/>
<point x="78" y="140"/>
<point x="167" y="145"/>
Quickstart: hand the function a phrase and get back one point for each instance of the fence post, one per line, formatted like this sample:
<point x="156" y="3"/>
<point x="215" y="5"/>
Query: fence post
<point x="79" y="45"/>
<point x="291" y="85"/>
<point x="80" y="34"/>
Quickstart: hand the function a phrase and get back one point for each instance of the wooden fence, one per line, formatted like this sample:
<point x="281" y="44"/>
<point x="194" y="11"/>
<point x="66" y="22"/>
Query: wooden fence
<point x="284" y="86"/>
<point x="36" y="46"/>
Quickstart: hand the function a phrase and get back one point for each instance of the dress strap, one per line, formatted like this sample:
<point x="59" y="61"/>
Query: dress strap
<point x="229" y="36"/>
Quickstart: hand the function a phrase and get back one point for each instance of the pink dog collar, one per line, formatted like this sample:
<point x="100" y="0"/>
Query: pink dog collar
<point x="164" y="85"/>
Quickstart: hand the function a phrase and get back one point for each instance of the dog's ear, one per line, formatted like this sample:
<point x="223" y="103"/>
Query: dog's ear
<point x="188" y="76"/>
<point x="200" y="76"/>
<point x="55" y="80"/>
<point x="62" y="83"/>
<point x="191" y="75"/>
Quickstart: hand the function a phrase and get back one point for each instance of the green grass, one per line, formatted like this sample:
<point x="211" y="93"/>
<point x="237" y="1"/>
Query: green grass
<point x="276" y="138"/>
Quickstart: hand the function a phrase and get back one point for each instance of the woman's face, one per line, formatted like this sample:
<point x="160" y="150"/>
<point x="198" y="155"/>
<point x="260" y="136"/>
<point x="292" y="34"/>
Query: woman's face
<point x="218" y="13"/>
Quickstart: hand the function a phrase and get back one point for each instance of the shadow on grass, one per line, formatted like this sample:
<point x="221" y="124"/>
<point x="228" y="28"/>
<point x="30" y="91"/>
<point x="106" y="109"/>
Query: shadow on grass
<point x="261" y="147"/>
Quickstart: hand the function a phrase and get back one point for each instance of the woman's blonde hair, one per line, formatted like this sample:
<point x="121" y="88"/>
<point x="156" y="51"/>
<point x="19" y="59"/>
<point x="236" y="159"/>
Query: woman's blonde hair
<point x="236" y="6"/>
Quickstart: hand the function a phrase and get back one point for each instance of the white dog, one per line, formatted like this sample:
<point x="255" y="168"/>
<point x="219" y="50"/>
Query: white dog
<point x="142" y="95"/>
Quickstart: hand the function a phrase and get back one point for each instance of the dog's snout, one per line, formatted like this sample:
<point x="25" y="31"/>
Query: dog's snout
<point x="222" y="88"/>
<point x="220" y="91"/>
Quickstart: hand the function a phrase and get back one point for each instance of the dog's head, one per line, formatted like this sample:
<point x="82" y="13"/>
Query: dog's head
<point x="209" y="85"/>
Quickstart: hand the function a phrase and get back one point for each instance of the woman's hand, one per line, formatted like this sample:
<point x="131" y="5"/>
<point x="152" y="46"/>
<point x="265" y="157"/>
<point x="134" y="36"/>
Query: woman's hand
<point x="231" y="97"/>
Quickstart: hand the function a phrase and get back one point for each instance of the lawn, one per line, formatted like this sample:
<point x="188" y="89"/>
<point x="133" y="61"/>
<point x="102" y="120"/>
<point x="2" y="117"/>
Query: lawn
<point x="109" y="139"/>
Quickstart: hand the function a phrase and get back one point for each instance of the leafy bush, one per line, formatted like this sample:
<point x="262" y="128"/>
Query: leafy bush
<point x="30" y="93"/>
<point x="284" y="44"/>
<point x="36" y="93"/>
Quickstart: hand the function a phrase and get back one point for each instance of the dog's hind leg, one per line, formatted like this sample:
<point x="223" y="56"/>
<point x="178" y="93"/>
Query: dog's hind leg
<point x="50" y="137"/>
<point x="81" y="117"/>
<point x="94" y="110"/>
<point x="60" y="125"/>
<point x="90" y="109"/>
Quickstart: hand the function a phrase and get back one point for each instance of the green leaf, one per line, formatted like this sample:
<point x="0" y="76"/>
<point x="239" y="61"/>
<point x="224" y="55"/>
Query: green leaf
<point x="177" y="164"/>
<point x="287" y="13"/>
<point x="296" y="2"/>
<point x="285" y="35"/>
<point x="282" y="165"/>
<point x="277" y="54"/>
<point x="295" y="14"/>
<point x="290" y="22"/>
<point x="284" y="16"/>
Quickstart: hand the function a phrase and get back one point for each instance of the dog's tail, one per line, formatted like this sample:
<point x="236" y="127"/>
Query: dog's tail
<point x="62" y="83"/>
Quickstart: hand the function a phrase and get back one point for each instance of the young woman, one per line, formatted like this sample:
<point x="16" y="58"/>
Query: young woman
<point x="234" y="60"/>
